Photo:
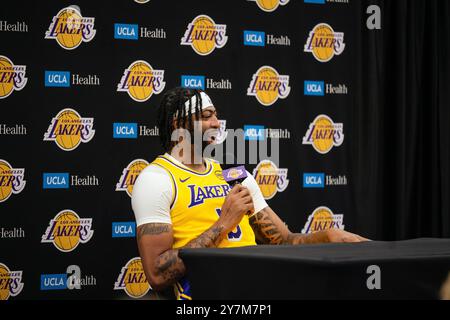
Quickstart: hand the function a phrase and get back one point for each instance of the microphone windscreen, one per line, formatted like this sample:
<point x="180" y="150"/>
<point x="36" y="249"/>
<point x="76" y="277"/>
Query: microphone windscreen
<point x="234" y="175"/>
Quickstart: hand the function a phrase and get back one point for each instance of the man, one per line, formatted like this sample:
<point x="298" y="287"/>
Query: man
<point x="181" y="203"/>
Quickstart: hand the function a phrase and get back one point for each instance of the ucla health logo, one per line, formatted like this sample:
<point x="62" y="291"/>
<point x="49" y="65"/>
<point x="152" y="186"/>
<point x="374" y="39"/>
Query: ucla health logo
<point x="129" y="175"/>
<point x="57" y="79"/>
<point x="55" y="180"/>
<point x="12" y="77"/>
<point x="70" y="280"/>
<point x="67" y="230"/>
<point x="125" y="130"/>
<point x="204" y="35"/>
<point x="270" y="178"/>
<point x="10" y="282"/>
<point x="70" y="29"/>
<point x="323" y="42"/>
<point x="193" y="82"/>
<point x="313" y="180"/>
<point x="323" y="219"/>
<point x="68" y="129"/>
<point x="254" y="38"/>
<point x="314" y="88"/>
<point x="323" y="134"/>
<point x="132" y="279"/>
<point x="267" y="86"/>
<point x="252" y="132"/>
<point x="12" y="180"/>
<point x="320" y="180"/>
<point x="123" y="229"/>
<point x="126" y="31"/>
<point x="141" y="81"/>
<point x="270" y="5"/>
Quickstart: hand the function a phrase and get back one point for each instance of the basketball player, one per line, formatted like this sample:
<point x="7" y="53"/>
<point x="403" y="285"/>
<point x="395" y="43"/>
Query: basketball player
<point x="182" y="204"/>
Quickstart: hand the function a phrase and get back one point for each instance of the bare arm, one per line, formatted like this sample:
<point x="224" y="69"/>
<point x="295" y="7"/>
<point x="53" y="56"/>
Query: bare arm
<point x="161" y="263"/>
<point x="269" y="229"/>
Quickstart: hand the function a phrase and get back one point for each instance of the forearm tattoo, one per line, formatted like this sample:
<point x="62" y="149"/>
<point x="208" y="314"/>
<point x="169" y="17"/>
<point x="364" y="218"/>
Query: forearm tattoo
<point x="169" y="266"/>
<point x="266" y="230"/>
<point x="210" y="238"/>
<point x="153" y="229"/>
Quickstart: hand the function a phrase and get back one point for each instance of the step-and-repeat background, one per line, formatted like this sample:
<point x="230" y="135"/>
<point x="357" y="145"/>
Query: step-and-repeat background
<point x="80" y="83"/>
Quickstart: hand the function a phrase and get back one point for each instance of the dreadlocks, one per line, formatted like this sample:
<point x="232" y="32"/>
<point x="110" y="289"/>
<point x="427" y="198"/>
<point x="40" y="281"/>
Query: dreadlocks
<point x="173" y="103"/>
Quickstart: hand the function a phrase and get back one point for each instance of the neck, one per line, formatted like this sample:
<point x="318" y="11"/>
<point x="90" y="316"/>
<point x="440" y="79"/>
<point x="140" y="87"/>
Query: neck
<point x="189" y="156"/>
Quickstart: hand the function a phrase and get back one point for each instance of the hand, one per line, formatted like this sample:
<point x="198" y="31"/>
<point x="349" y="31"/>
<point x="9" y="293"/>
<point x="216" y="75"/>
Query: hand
<point x="338" y="235"/>
<point x="237" y="203"/>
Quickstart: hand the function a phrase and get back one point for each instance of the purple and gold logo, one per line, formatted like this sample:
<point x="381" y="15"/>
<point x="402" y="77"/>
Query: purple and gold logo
<point x="12" y="77"/>
<point x="204" y="35"/>
<point x="70" y="29"/>
<point x="12" y="180"/>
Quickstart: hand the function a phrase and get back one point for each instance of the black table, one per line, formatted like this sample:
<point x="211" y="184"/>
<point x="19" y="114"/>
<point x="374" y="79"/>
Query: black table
<point x="412" y="269"/>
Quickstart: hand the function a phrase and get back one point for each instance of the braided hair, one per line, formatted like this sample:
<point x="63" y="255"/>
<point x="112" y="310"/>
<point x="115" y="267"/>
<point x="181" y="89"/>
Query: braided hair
<point x="172" y="103"/>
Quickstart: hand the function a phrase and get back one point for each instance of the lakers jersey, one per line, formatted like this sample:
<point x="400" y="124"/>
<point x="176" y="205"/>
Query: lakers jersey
<point x="196" y="205"/>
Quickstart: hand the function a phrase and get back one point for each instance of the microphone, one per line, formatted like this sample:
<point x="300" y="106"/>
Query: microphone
<point x="231" y="172"/>
<point x="234" y="175"/>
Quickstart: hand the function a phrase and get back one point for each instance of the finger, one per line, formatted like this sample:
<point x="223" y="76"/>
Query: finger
<point x="244" y="192"/>
<point x="247" y="200"/>
<point x="250" y="207"/>
<point x="363" y="239"/>
<point x="236" y="188"/>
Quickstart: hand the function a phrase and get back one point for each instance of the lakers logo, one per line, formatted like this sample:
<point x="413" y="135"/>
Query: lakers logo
<point x="69" y="28"/>
<point x="10" y="282"/>
<point x="322" y="219"/>
<point x="67" y="230"/>
<point x="323" y="42"/>
<point x="11" y="180"/>
<point x="270" y="178"/>
<point x="141" y="81"/>
<point x="234" y="173"/>
<point x="270" y="5"/>
<point x="129" y="175"/>
<point x="267" y="86"/>
<point x="204" y="35"/>
<point x="68" y="129"/>
<point x="323" y="134"/>
<point x="132" y="279"/>
<point x="12" y="77"/>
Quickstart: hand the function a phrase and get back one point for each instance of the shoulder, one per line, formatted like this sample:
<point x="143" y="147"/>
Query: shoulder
<point x="153" y="178"/>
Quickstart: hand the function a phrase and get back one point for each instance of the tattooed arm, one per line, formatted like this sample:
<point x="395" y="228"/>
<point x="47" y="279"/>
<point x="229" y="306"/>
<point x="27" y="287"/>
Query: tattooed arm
<point x="269" y="229"/>
<point x="161" y="263"/>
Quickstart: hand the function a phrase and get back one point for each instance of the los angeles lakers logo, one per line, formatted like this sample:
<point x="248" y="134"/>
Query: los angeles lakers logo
<point x="270" y="178"/>
<point x="12" y="180"/>
<point x="10" y="282"/>
<point x="204" y="35"/>
<point x="68" y="129"/>
<point x="323" y="134"/>
<point x="132" y="279"/>
<point x="323" y="42"/>
<point x="70" y="29"/>
<point x="270" y="5"/>
<point x="322" y="219"/>
<point x="129" y="175"/>
<point x="141" y="81"/>
<point x="267" y="86"/>
<point x="67" y="230"/>
<point x="12" y="77"/>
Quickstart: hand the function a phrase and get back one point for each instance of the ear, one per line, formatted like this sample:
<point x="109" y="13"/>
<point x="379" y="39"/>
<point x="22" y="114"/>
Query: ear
<point x="175" y="124"/>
